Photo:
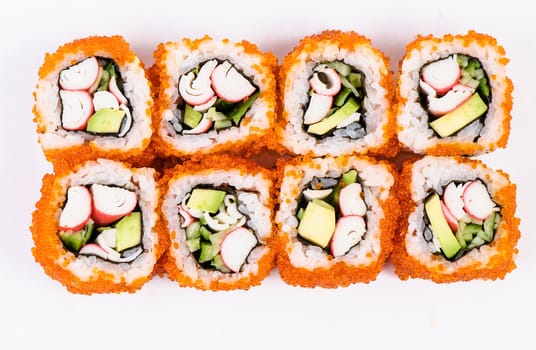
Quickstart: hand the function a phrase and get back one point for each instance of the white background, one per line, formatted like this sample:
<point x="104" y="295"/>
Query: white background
<point x="37" y="311"/>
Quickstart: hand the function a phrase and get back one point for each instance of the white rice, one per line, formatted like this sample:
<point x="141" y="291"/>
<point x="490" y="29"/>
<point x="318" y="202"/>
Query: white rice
<point x="377" y="184"/>
<point x="180" y="59"/>
<point x="376" y="102"/>
<point x="414" y="132"/>
<point x="433" y="174"/>
<point x="141" y="181"/>
<point x="136" y="90"/>
<point x="253" y="192"/>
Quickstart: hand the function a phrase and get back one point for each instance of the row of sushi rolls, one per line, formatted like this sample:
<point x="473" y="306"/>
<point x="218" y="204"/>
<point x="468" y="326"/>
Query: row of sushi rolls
<point x="156" y="169"/>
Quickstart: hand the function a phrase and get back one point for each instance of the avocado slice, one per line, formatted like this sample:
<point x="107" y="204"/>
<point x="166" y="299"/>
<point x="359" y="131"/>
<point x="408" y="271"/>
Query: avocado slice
<point x="349" y="177"/>
<point x="106" y="121"/>
<point x="74" y="241"/>
<point x="440" y="227"/>
<point x="322" y="127"/>
<point x="191" y="116"/>
<point x="318" y="222"/>
<point x="128" y="231"/>
<point x="205" y="199"/>
<point x="455" y="120"/>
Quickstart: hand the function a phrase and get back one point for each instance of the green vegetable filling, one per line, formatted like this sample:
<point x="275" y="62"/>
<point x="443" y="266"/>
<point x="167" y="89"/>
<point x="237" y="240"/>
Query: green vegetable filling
<point x="352" y="93"/>
<point x="318" y="215"/>
<point x="470" y="233"/>
<point x="223" y="113"/>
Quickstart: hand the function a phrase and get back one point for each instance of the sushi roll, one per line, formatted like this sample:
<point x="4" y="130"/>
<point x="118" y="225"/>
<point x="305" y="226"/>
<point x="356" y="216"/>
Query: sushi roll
<point x="93" y="99"/>
<point x="218" y="213"/>
<point x="213" y="96"/>
<point x="458" y="221"/>
<point x="336" y="220"/>
<point x="95" y="227"/>
<point x="336" y="92"/>
<point x="453" y="95"/>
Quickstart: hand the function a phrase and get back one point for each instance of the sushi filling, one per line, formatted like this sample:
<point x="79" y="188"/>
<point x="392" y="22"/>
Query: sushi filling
<point x="104" y="221"/>
<point x="455" y="92"/>
<point x="92" y="98"/>
<point x="216" y="230"/>
<point x="463" y="218"/>
<point x="335" y="106"/>
<point x="332" y="213"/>
<point x="213" y="96"/>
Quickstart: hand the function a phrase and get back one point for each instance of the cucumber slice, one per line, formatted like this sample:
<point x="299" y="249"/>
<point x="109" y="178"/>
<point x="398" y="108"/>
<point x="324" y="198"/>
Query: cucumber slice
<point x="463" y="60"/>
<point x="346" y="83"/>
<point x="477" y="242"/>
<point x="489" y="227"/>
<point x="341" y="68"/>
<point x="349" y="177"/>
<point x="222" y="124"/>
<point x="356" y="79"/>
<point x="238" y="112"/>
<point x="218" y="264"/>
<point x="206" y="252"/>
<point x="341" y="96"/>
<point x="460" y="239"/>
<point x="74" y="241"/>
<point x="104" y="80"/>
<point x="215" y="240"/>
<point x="193" y="244"/>
<point x="214" y="115"/>
<point x="191" y="116"/>
<point x="205" y="233"/>
<point x="192" y="231"/>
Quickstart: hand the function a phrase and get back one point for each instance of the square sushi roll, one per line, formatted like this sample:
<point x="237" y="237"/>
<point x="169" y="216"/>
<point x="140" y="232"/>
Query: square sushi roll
<point x="453" y="95"/>
<point x="336" y="220"/>
<point x="95" y="227"/>
<point x="458" y="221"/>
<point x="93" y="99"/>
<point x="213" y="96"/>
<point x="218" y="214"/>
<point x="336" y="91"/>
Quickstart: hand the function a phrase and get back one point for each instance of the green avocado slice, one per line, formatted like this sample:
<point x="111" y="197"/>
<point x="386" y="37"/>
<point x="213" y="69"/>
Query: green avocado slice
<point x="440" y="227"/>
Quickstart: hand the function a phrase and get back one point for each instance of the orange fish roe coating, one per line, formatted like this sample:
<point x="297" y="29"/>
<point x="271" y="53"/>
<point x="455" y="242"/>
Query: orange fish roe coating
<point x="256" y="139"/>
<point x="336" y="271"/>
<point x="501" y="88"/>
<point x="353" y="43"/>
<point x="219" y="280"/>
<point x="57" y="143"/>
<point x="502" y="248"/>
<point x="48" y="249"/>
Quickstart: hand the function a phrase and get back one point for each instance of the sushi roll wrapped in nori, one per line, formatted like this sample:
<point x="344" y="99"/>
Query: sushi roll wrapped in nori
<point x="93" y="99"/>
<point x="213" y="96"/>
<point x="336" y="92"/>
<point x="453" y="95"/>
<point x="458" y="221"/>
<point x="336" y="220"/>
<point x="95" y="227"/>
<point x="218" y="213"/>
